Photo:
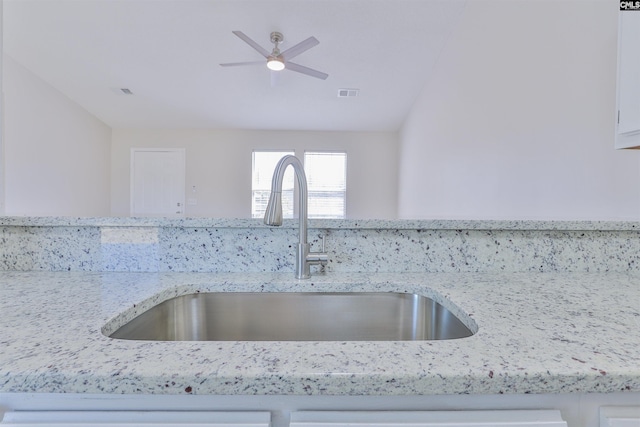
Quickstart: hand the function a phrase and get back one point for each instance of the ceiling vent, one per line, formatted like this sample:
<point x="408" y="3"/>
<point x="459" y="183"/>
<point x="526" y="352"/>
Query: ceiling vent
<point x="348" y="93"/>
<point x="122" y="91"/>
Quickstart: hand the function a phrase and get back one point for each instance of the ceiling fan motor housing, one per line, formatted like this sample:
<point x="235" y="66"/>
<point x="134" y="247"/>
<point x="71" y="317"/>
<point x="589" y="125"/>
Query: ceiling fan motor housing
<point x="276" y="38"/>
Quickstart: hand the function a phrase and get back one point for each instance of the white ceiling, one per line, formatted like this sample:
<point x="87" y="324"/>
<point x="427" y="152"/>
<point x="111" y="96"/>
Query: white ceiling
<point x="167" y="52"/>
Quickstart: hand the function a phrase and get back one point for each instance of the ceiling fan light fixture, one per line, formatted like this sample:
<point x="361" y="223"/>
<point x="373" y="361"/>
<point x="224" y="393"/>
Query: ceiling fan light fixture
<point x="275" y="64"/>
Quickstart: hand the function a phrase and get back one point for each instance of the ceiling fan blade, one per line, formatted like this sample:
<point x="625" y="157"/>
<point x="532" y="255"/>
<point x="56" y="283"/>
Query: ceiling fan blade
<point x="306" y="70"/>
<point x="296" y="50"/>
<point x="253" y="44"/>
<point x="235" y="64"/>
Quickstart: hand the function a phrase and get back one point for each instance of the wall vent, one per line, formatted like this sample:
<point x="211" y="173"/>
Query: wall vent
<point x="348" y="93"/>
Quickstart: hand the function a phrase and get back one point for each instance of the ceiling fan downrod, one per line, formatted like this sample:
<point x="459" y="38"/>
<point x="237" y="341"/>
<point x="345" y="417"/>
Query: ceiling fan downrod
<point x="276" y="38"/>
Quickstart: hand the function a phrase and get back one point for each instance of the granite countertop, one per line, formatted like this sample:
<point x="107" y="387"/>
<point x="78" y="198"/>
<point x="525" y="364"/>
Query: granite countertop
<point x="536" y="333"/>
<point x="359" y="224"/>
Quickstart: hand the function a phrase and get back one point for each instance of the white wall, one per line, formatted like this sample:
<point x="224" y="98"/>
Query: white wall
<point x="219" y="165"/>
<point x="56" y="154"/>
<point x="517" y="121"/>
<point x="59" y="159"/>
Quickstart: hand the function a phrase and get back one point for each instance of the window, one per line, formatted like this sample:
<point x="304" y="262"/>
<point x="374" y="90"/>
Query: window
<point x="264" y="163"/>
<point x="327" y="181"/>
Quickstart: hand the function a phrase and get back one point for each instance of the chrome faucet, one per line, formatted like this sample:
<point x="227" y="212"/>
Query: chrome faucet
<point x="273" y="215"/>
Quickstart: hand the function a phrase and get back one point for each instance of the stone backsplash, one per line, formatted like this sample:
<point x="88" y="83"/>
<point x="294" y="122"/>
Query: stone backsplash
<point x="212" y="245"/>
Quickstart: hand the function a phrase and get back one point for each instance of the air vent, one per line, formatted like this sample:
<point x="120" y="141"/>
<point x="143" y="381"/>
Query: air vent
<point x="122" y="91"/>
<point x="348" y="93"/>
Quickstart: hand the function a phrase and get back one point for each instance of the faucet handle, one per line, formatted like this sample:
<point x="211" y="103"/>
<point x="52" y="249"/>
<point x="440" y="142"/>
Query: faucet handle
<point x="321" y="257"/>
<point x="318" y="258"/>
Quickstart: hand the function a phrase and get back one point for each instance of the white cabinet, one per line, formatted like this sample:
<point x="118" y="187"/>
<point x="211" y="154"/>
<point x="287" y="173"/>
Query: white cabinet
<point x="517" y="418"/>
<point x="135" y="418"/>
<point x="628" y="88"/>
<point x="80" y="418"/>
<point x="526" y="410"/>
<point x="620" y="416"/>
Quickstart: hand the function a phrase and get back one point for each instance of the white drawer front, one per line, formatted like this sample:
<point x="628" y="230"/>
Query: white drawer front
<point x="135" y="418"/>
<point x="535" y="418"/>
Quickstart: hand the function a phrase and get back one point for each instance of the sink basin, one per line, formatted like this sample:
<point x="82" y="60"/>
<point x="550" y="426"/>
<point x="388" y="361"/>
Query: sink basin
<point x="301" y="316"/>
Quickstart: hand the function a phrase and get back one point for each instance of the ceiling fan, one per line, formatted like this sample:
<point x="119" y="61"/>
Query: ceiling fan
<point x="276" y="60"/>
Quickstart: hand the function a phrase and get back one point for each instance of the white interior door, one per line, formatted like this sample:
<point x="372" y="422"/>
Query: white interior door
<point x="157" y="182"/>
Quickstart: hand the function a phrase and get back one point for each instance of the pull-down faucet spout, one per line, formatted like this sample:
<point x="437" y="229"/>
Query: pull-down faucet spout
<point x="273" y="215"/>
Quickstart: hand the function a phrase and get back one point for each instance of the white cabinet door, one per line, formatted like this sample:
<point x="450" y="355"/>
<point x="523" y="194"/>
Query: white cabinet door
<point x="620" y="416"/>
<point x="517" y="418"/>
<point x="135" y="418"/>
<point x="628" y="97"/>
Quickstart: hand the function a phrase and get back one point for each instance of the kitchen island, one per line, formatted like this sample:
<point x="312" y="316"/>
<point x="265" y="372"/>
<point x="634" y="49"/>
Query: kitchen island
<point x="555" y="308"/>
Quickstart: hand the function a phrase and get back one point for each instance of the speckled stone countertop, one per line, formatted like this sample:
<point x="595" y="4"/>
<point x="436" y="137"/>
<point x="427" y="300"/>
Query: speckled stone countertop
<point x="536" y="333"/>
<point x="363" y="224"/>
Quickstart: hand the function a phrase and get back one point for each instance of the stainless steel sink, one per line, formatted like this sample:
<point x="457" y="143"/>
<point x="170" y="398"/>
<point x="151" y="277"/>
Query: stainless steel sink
<point x="302" y="316"/>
